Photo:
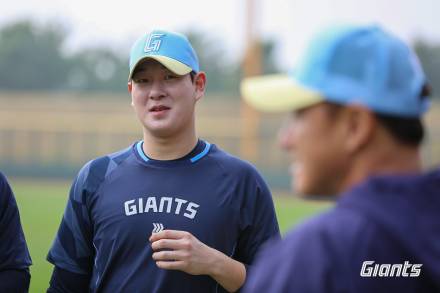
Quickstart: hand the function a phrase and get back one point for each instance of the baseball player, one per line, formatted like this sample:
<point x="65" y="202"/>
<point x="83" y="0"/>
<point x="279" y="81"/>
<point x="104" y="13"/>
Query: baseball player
<point x="14" y="255"/>
<point x="356" y="99"/>
<point x="172" y="212"/>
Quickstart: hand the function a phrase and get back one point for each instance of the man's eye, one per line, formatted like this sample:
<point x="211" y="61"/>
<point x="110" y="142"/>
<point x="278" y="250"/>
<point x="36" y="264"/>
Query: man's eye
<point x="141" y="80"/>
<point x="298" y="113"/>
<point x="170" y="76"/>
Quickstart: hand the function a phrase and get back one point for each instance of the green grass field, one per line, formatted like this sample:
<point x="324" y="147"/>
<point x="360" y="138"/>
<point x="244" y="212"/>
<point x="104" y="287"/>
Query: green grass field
<point x="42" y="203"/>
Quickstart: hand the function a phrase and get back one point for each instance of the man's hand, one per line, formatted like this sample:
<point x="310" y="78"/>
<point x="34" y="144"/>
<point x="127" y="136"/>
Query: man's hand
<point x="180" y="250"/>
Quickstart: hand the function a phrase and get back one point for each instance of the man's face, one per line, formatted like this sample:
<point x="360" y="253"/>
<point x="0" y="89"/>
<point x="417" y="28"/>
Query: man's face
<point x="313" y="138"/>
<point x="163" y="101"/>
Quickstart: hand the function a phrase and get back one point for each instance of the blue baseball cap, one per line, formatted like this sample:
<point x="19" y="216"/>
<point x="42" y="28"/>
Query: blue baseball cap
<point x="347" y="65"/>
<point x="171" y="49"/>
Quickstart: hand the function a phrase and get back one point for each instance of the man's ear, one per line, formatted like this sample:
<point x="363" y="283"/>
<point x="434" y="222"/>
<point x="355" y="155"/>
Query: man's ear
<point x="361" y="124"/>
<point x="200" y="82"/>
<point x="130" y="90"/>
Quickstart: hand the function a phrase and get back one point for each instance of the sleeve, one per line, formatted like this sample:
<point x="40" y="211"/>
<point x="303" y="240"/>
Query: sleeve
<point x="15" y="281"/>
<point x="72" y="249"/>
<point x="302" y="262"/>
<point x="258" y="219"/>
<point x="63" y="281"/>
<point x="14" y="253"/>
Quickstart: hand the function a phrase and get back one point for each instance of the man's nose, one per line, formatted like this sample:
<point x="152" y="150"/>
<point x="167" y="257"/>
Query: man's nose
<point x="286" y="136"/>
<point x="157" y="90"/>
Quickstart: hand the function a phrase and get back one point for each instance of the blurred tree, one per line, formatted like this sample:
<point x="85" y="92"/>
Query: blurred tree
<point x="268" y="54"/>
<point x="212" y="60"/>
<point x="98" y="69"/>
<point x="430" y="58"/>
<point x="31" y="57"/>
<point x="224" y="74"/>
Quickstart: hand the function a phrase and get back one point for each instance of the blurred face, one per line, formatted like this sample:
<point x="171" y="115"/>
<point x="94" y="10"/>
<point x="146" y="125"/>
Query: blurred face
<point x="313" y="138"/>
<point x="163" y="101"/>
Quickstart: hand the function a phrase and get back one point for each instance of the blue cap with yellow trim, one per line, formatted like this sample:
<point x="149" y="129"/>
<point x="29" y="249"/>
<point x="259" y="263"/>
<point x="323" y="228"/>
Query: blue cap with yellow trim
<point x="171" y="49"/>
<point x="347" y="65"/>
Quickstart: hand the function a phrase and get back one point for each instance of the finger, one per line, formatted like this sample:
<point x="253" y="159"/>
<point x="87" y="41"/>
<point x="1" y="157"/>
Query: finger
<point x="166" y="244"/>
<point x="171" y="265"/>
<point x="169" y="255"/>
<point x="168" y="234"/>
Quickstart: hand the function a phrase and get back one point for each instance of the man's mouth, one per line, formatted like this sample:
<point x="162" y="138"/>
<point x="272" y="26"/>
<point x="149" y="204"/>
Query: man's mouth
<point x="159" y="108"/>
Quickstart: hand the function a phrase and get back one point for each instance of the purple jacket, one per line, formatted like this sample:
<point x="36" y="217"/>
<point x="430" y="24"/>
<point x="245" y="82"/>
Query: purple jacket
<point x="382" y="236"/>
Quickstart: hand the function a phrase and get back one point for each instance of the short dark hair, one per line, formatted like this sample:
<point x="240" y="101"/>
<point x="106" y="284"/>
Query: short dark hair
<point x="192" y="74"/>
<point x="408" y="131"/>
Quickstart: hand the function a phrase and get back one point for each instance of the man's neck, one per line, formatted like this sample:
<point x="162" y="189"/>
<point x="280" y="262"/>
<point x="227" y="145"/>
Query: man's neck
<point x="169" y="148"/>
<point x="400" y="160"/>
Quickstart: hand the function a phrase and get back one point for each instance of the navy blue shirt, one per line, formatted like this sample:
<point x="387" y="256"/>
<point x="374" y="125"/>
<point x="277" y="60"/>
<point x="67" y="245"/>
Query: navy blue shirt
<point x="117" y="201"/>
<point x="387" y="229"/>
<point x="14" y="254"/>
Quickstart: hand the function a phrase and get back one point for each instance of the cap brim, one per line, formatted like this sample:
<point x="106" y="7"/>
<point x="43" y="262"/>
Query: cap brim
<point x="277" y="93"/>
<point x="173" y="65"/>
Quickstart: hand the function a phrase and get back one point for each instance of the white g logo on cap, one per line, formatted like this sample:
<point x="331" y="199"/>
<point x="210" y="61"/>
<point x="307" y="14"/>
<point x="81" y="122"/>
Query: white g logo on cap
<point x="153" y="43"/>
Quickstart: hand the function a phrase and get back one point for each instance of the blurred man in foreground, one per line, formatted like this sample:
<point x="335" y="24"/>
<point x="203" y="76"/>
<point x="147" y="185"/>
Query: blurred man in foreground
<point x="356" y="102"/>
<point x="14" y="255"/>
